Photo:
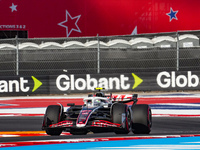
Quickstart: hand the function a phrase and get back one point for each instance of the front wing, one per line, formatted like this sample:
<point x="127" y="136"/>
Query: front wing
<point x="95" y="123"/>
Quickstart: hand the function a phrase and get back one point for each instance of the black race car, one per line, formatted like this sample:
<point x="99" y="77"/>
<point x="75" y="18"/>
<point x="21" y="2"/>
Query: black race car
<point x="100" y="113"/>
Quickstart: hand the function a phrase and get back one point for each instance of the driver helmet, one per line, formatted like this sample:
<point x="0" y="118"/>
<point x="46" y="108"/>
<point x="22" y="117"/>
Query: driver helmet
<point x="97" y="102"/>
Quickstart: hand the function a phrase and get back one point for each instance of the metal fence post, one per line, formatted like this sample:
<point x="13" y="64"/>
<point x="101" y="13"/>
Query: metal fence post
<point x="177" y="53"/>
<point x="17" y="56"/>
<point x="98" y="55"/>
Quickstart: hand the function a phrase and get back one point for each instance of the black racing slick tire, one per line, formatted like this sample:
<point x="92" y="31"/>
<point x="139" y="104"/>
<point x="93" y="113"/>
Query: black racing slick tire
<point x="141" y="119"/>
<point x="121" y="115"/>
<point x="52" y="116"/>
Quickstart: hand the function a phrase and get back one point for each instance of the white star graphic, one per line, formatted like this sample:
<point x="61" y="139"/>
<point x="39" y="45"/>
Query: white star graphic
<point x="134" y="32"/>
<point x="70" y="23"/>
<point x="13" y="7"/>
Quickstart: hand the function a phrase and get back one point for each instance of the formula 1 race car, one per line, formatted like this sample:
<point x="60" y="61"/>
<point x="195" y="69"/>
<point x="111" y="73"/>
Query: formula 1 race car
<point x="100" y="113"/>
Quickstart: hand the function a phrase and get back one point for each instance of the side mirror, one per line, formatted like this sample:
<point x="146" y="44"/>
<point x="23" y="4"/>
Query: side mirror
<point x="135" y="96"/>
<point x="90" y="95"/>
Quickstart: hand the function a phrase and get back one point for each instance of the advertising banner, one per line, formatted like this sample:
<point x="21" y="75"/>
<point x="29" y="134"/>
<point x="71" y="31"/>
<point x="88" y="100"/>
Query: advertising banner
<point x="27" y="85"/>
<point x="140" y="81"/>
<point x="85" y="83"/>
<point x="67" y="18"/>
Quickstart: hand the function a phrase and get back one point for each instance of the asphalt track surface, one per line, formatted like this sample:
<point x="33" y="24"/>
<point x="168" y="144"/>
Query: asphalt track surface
<point x="161" y="126"/>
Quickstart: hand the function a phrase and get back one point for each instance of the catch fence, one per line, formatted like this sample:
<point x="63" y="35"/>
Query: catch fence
<point x="175" y="51"/>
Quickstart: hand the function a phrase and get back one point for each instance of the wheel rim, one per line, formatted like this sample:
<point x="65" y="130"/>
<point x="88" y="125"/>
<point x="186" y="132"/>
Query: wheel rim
<point x="128" y="121"/>
<point x="149" y="119"/>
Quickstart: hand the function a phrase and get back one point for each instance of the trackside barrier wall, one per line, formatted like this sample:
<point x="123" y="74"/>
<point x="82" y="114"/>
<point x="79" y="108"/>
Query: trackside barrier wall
<point x="85" y="83"/>
<point x="143" y="62"/>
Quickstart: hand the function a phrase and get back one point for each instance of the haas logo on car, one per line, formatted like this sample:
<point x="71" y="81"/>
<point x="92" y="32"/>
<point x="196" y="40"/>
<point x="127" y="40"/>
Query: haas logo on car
<point x="166" y="80"/>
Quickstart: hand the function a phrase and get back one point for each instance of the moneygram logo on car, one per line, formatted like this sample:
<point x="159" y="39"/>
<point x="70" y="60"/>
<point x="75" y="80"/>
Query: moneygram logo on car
<point x="121" y="82"/>
<point x="165" y="80"/>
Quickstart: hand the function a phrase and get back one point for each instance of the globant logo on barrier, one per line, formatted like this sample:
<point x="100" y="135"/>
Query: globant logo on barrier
<point x="19" y="85"/>
<point x="69" y="82"/>
<point x="166" y="80"/>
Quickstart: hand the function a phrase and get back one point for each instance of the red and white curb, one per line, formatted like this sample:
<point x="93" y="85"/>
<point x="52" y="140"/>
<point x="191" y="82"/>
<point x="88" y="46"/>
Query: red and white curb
<point x="81" y="140"/>
<point x="36" y="106"/>
<point x="26" y="133"/>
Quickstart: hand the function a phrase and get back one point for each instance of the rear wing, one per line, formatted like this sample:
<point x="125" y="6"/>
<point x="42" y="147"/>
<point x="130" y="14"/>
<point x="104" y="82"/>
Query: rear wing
<point x="116" y="98"/>
<point x="125" y="98"/>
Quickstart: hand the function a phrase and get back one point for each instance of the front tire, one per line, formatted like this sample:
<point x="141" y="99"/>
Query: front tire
<point x="141" y="119"/>
<point x="52" y="116"/>
<point x="121" y="115"/>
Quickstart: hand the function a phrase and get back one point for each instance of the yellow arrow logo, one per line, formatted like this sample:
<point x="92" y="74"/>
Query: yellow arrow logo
<point x="138" y="81"/>
<point x="37" y="83"/>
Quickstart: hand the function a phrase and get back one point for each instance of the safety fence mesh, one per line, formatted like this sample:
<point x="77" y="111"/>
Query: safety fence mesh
<point x="96" y="58"/>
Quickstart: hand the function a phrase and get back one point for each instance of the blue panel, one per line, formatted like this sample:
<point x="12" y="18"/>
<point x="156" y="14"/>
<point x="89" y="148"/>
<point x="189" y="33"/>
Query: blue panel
<point x="164" y="143"/>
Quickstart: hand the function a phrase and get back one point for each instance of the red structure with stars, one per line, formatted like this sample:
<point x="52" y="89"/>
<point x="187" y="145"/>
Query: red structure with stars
<point x="67" y="18"/>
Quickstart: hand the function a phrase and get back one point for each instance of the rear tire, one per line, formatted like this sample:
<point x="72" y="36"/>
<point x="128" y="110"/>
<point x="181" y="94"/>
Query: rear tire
<point x="119" y="113"/>
<point x="52" y="116"/>
<point x="141" y="119"/>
